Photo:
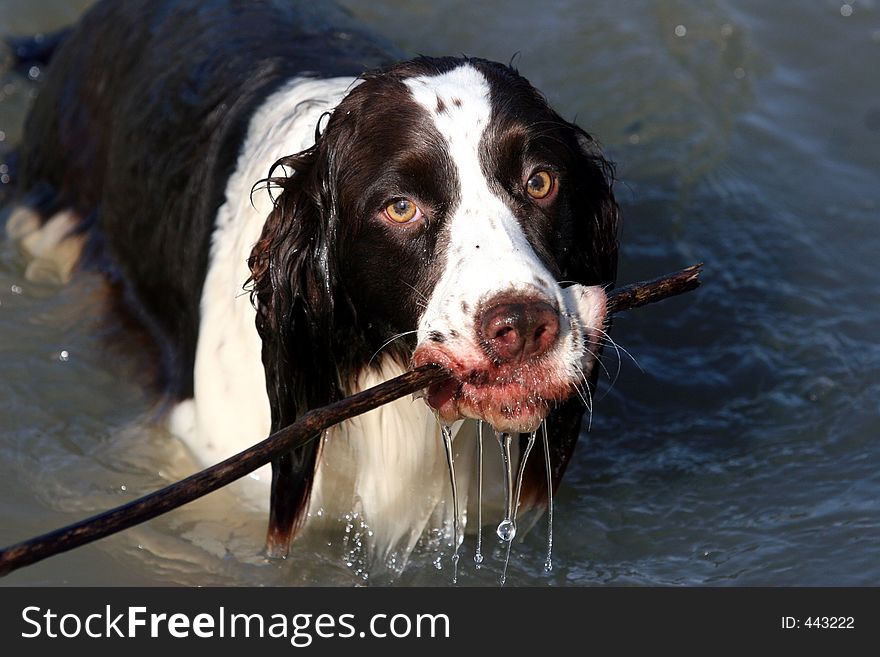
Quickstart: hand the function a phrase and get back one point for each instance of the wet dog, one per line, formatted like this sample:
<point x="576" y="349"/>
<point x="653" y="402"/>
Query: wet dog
<point x="295" y="213"/>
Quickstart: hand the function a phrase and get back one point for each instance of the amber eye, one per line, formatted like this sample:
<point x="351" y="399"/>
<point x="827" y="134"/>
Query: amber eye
<point x="401" y="210"/>
<point x="540" y="184"/>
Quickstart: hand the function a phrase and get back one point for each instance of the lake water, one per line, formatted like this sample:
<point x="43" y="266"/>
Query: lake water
<point x="739" y="444"/>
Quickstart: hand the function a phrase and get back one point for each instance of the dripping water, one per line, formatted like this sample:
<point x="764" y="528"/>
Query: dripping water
<point x="519" y="479"/>
<point x="446" y="430"/>
<point x="548" y="563"/>
<point x="478" y="554"/>
<point x="506" y="528"/>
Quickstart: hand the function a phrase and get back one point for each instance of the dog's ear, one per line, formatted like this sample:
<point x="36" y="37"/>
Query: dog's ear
<point x="597" y="216"/>
<point x="292" y="288"/>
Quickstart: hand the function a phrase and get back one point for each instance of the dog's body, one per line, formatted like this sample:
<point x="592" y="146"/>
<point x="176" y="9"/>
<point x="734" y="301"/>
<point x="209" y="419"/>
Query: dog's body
<point x="427" y="219"/>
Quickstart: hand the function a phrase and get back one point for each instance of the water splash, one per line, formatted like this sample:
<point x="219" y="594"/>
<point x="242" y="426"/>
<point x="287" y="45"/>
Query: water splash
<point x="478" y="554"/>
<point x="548" y="563"/>
<point x="446" y="430"/>
<point x="354" y="543"/>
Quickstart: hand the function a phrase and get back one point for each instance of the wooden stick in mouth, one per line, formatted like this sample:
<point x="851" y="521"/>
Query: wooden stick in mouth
<point x="306" y="428"/>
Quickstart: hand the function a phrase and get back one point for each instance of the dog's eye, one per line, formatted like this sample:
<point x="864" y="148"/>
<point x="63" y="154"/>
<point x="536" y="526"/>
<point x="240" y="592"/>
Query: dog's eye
<point x="402" y="211"/>
<point x="540" y="184"/>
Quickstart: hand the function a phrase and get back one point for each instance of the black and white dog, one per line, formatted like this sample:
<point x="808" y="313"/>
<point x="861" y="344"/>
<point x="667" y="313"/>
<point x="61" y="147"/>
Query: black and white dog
<point x="427" y="211"/>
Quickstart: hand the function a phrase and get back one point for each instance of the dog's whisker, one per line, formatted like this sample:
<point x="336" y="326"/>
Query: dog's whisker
<point x="617" y="346"/>
<point x="417" y="291"/>
<point x="388" y="342"/>
<point x="590" y="402"/>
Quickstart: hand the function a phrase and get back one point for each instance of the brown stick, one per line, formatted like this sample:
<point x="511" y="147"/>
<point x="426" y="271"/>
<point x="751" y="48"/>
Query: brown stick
<point x="304" y="429"/>
<point x="641" y="294"/>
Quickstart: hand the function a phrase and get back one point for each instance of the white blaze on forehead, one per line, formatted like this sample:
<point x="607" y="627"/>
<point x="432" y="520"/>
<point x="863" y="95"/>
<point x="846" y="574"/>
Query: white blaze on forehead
<point x="464" y="95"/>
<point x="487" y="251"/>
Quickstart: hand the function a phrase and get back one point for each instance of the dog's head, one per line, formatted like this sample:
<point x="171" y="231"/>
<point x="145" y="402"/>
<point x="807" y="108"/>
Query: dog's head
<point x="445" y="215"/>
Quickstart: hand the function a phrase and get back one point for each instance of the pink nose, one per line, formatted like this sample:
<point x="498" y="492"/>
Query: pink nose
<point x="517" y="331"/>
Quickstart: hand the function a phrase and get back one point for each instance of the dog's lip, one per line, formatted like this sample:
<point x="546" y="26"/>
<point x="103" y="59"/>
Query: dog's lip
<point x="440" y="394"/>
<point x="508" y="407"/>
<point x="510" y="399"/>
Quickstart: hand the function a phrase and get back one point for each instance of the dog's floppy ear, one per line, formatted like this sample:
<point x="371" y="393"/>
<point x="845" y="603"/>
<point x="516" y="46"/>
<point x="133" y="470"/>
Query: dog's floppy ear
<point x="597" y="217"/>
<point x="293" y="290"/>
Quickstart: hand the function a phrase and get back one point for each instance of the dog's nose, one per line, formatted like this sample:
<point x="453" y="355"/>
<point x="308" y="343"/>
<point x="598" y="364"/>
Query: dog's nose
<point x="517" y="331"/>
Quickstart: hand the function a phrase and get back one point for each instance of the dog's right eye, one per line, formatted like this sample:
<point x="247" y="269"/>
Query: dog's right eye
<point x="402" y="211"/>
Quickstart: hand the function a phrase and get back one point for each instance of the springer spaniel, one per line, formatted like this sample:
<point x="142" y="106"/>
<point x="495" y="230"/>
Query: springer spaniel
<point x="435" y="210"/>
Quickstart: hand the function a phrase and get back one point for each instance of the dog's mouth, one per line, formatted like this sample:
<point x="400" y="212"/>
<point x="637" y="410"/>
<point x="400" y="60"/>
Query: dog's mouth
<point x="517" y="395"/>
<point x="510" y="407"/>
<point x="510" y="399"/>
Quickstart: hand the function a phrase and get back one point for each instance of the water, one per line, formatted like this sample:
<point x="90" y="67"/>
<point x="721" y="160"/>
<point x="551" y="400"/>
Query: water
<point x="446" y="430"/>
<point x="507" y="527"/>
<point x="744" y="453"/>
<point x="548" y="561"/>
<point x="507" y="534"/>
<point x="478" y="551"/>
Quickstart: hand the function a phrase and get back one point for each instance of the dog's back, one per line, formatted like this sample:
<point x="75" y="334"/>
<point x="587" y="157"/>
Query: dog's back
<point x="139" y="126"/>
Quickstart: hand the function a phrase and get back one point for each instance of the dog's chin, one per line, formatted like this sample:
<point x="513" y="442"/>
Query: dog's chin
<point x="508" y="408"/>
<point x="510" y="399"/>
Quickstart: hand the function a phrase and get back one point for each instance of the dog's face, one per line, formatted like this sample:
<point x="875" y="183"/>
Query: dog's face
<point x="469" y="220"/>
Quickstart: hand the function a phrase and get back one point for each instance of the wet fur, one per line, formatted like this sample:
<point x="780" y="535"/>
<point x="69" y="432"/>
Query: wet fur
<point x="141" y="148"/>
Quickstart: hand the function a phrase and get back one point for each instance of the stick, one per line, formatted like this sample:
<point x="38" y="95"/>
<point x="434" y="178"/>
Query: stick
<point x="306" y="428"/>
<point x="641" y="294"/>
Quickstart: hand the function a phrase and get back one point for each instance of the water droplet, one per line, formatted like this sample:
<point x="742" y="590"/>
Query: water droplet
<point x="739" y="73"/>
<point x="548" y="563"/>
<point x="446" y="430"/>
<point x="506" y="530"/>
<point x="16" y="289"/>
<point x="846" y="10"/>
<point x="478" y="554"/>
<point x="680" y="30"/>
<point x="507" y="472"/>
<point x="64" y="356"/>
<point x="123" y="487"/>
<point x="34" y="71"/>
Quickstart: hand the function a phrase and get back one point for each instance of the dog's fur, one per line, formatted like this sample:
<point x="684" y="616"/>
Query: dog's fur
<point x="141" y="155"/>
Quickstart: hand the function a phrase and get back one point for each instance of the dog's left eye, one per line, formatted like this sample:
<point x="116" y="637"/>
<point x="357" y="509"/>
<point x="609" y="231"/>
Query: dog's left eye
<point x="402" y="211"/>
<point x="540" y="184"/>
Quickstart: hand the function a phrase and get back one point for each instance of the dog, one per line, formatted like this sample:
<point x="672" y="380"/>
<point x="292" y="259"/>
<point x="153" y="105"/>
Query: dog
<point x="294" y="212"/>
